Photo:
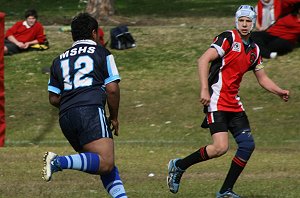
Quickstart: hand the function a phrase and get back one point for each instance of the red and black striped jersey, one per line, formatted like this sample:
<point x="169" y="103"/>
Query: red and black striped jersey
<point x="226" y="72"/>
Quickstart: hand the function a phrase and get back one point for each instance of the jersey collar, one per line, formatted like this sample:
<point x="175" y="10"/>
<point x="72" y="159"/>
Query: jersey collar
<point x="249" y="46"/>
<point x="26" y="24"/>
<point x="89" y="42"/>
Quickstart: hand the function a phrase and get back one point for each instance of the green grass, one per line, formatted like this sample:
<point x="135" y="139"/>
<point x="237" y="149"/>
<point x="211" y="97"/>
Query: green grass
<point x="179" y="8"/>
<point x="49" y="11"/>
<point x="58" y="12"/>
<point x="160" y="118"/>
<point x="263" y="177"/>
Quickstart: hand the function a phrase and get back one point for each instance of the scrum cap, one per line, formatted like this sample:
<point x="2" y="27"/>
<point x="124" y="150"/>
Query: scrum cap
<point x="245" y="11"/>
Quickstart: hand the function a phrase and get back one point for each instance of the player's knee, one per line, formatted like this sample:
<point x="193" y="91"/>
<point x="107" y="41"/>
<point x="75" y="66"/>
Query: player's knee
<point x="246" y="144"/>
<point x="245" y="150"/>
<point x="107" y="167"/>
<point x="250" y="145"/>
<point x="219" y="150"/>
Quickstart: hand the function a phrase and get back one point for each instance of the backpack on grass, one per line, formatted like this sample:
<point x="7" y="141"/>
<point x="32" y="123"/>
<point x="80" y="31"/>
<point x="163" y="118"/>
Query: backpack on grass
<point x="121" y="38"/>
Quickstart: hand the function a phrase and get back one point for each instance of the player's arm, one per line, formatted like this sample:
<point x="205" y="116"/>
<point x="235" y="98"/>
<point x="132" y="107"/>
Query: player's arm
<point x="269" y="85"/>
<point x="203" y="69"/>
<point x="113" y="100"/>
<point x="54" y="99"/>
<point x="53" y="88"/>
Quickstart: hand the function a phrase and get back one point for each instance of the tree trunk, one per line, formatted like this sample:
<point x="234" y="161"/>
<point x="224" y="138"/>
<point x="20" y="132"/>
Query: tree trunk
<point x="100" y="9"/>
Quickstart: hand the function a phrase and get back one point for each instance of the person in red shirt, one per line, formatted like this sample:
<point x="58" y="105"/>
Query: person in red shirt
<point x="269" y="11"/>
<point x="231" y="55"/>
<point x="282" y="37"/>
<point x="24" y="34"/>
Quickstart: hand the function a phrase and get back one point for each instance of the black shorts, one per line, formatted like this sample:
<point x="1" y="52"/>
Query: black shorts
<point x="82" y="125"/>
<point x="221" y="121"/>
<point x="12" y="48"/>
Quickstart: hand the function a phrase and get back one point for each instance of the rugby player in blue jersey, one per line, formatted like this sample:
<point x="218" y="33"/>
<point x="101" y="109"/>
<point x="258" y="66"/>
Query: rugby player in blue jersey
<point x="82" y="80"/>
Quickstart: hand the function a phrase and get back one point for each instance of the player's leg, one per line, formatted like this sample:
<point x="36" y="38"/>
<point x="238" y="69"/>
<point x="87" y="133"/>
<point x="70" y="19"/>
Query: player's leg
<point x="80" y="126"/>
<point x="240" y="129"/>
<point x="177" y="167"/>
<point x="87" y="131"/>
<point x="96" y="157"/>
<point x="88" y="162"/>
<point x="88" y="159"/>
<point x="218" y="128"/>
<point x="109" y="172"/>
<point x="104" y="148"/>
<point x="218" y="148"/>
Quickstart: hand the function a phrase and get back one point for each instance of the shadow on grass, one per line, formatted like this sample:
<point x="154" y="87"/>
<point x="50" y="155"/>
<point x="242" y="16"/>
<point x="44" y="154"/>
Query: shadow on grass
<point x="48" y="127"/>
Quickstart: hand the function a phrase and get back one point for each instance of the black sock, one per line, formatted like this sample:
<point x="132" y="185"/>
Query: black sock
<point x="237" y="166"/>
<point x="194" y="158"/>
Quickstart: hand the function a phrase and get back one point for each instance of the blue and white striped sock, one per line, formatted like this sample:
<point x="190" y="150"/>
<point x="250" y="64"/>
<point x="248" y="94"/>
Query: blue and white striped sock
<point x="113" y="184"/>
<point x="86" y="162"/>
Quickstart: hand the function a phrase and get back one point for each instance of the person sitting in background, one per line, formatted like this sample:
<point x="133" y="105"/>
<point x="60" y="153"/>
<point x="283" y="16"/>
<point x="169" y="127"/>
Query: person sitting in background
<point x="269" y="11"/>
<point x="24" y="34"/>
<point x="282" y="37"/>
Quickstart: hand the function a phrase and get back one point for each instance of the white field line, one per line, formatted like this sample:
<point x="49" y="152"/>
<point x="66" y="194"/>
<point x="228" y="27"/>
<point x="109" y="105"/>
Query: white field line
<point x="55" y="142"/>
<point x="17" y="142"/>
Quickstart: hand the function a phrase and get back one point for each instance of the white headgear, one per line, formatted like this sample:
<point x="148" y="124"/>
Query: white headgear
<point x="245" y="11"/>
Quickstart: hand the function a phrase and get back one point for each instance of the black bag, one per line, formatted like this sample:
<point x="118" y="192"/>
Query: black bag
<point x="120" y="38"/>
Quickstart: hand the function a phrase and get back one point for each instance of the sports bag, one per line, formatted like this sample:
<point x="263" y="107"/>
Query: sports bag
<point x="121" y="38"/>
<point x="40" y="46"/>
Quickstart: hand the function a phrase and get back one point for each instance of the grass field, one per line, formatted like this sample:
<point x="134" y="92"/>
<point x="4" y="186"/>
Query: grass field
<point x="160" y="114"/>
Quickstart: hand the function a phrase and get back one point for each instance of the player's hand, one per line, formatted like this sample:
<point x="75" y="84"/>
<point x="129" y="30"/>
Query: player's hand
<point x="285" y="95"/>
<point x="114" y="125"/>
<point x="205" y="97"/>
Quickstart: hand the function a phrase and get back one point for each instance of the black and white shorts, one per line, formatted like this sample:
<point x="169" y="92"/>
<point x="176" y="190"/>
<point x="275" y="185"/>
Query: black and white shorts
<point x="221" y="121"/>
<point x="82" y="125"/>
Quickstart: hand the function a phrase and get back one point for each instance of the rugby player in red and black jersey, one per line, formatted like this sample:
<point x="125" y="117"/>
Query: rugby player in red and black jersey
<point x="231" y="55"/>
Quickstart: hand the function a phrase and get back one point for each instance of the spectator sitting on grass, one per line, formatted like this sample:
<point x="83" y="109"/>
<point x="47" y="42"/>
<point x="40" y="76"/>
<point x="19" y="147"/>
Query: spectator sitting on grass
<point x="269" y="11"/>
<point x="282" y="37"/>
<point x="24" y="35"/>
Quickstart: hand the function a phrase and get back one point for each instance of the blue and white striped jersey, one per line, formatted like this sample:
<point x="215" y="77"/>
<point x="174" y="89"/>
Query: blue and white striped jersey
<point x="80" y="74"/>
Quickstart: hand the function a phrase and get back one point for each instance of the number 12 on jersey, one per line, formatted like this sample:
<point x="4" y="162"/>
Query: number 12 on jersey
<point x="84" y="65"/>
